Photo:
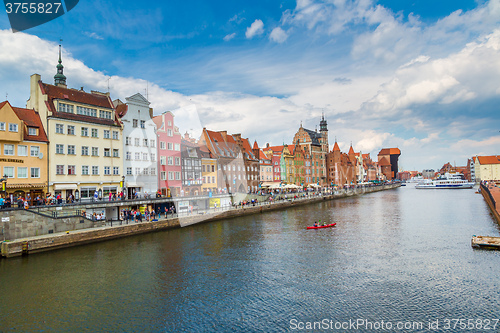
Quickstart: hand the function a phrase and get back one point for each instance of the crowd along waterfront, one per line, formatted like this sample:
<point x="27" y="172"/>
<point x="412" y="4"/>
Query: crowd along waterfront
<point x="401" y="257"/>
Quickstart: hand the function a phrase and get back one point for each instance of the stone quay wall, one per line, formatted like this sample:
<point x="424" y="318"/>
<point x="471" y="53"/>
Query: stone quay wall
<point x="66" y="237"/>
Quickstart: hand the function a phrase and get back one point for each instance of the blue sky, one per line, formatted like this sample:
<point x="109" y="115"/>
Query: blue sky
<point x="423" y="76"/>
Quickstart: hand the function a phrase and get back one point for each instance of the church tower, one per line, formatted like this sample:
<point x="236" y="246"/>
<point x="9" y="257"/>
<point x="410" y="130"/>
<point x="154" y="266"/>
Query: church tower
<point x="59" y="78"/>
<point x="323" y="129"/>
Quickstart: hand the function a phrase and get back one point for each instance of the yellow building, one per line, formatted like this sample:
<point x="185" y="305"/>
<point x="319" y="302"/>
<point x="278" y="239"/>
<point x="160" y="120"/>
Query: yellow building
<point x="208" y="171"/>
<point x="487" y="167"/>
<point x="86" y="144"/>
<point x="23" y="156"/>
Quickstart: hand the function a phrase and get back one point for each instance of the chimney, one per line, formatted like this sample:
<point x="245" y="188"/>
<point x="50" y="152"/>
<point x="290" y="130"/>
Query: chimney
<point x="267" y="145"/>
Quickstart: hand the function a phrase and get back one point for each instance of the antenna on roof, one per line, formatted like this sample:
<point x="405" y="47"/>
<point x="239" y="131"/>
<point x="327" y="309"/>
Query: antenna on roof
<point x="109" y="78"/>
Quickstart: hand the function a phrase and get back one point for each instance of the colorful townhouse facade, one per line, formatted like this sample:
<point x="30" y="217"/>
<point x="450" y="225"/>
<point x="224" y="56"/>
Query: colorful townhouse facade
<point x="139" y="145"/>
<point x="85" y="152"/>
<point x="169" y="154"/>
<point x="23" y="154"/>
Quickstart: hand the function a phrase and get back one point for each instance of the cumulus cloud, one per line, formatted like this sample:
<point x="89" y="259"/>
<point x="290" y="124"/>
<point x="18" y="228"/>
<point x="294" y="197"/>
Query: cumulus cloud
<point x="257" y="28"/>
<point x="227" y="38"/>
<point x="278" y="35"/>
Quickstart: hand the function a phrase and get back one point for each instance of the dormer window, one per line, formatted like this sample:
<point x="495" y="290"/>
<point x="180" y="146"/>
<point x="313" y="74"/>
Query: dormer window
<point x="32" y="131"/>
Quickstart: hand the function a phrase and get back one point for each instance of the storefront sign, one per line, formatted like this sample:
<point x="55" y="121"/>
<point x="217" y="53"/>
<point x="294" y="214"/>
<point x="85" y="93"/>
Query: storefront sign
<point x="11" y="160"/>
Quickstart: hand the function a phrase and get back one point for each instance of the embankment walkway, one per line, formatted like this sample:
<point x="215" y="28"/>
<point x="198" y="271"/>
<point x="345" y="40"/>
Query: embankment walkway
<point x="41" y="243"/>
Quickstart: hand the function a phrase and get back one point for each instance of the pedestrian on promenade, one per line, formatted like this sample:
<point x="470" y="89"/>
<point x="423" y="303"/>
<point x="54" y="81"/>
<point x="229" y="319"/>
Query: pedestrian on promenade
<point x="159" y="212"/>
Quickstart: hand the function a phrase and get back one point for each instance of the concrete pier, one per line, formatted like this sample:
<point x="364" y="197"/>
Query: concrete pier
<point x="34" y="244"/>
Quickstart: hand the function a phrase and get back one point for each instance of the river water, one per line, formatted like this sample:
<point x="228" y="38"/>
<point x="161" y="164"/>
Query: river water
<point x="399" y="257"/>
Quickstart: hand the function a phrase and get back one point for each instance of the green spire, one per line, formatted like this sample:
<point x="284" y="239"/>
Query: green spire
<point x="59" y="78"/>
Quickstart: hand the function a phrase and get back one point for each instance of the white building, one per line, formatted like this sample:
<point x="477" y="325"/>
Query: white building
<point x="139" y="145"/>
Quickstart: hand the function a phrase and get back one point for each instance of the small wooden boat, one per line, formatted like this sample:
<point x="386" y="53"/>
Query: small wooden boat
<point x="485" y="242"/>
<point x="323" y="226"/>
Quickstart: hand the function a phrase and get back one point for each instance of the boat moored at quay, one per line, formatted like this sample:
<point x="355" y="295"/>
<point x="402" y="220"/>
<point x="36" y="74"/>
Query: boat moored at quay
<point x="446" y="181"/>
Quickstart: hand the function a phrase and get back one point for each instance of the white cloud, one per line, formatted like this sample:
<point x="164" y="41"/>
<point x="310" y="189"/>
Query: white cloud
<point x="257" y="28"/>
<point x="227" y="38"/>
<point x="278" y="35"/>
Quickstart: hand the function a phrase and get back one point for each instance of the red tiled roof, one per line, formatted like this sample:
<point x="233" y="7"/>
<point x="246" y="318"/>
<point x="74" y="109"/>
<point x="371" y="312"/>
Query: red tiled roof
<point x="31" y="118"/>
<point x="2" y="104"/>
<point x="121" y="109"/>
<point x="351" y="151"/>
<point x="390" y="151"/>
<point x="494" y="159"/>
<point x="336" y="147"/>
<point x="255" y="145"/>
<point x="78" y="96"/>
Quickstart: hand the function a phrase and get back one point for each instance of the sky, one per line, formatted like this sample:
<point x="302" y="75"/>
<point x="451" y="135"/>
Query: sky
<point x="418" y="75"/>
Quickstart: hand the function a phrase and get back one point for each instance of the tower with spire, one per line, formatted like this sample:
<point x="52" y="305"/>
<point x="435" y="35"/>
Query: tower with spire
<point x="59" y="78"/>
<point x="323" y="129"/>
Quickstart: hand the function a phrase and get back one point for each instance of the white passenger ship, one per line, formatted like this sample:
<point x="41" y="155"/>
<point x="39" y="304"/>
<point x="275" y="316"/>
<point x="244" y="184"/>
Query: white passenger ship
<point x="449" y="180"/>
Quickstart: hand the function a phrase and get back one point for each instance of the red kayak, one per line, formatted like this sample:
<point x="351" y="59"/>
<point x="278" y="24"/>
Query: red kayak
<point x="322" y="226"/>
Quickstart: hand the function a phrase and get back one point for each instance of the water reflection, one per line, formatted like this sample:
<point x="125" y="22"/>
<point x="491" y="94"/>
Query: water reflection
<point x="396" y="255"/>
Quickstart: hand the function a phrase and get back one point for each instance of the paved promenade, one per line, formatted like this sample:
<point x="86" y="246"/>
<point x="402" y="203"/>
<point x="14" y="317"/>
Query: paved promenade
<point x="495" y="193"/>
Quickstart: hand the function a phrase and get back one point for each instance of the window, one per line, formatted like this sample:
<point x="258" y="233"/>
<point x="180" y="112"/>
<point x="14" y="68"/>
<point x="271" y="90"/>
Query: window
<point x="59" y="169"/>
<point x="12" y="127"/>
<point x="169" y="132"/>
<point x="169" y="123"/>
<point x="143" y="124"/>
<point x="32" y="131"/>
<point x="71" y="130"/>
<point x="204" y="180"/>
<point x="107" y="152"/>
<point x="106" y="134"/>
<point x="85" y="131"/>
<point x="105" y="114"/>
<point x="213" y="168"/>
<point x="59" y="149"/>
<point x="22" y="172"/>
<point x="145" y="142"/>
<point x="95" y="133"/>
<point x="134" y="123"/>
<point x="71" y="150"/>
<point x="129" y="171"/>
<point x="153" y="143"/>
<point x="22" y="150"/>
<point x="2" y="126"/>
<point x="163" y="175"/>
<point x="116" y="153"/>
<point x="145" y="171"/>
<point x="35" y="172"/>
<point x="177" y="161"/>
<point x="163" y="160"/>
<point x="203" y="168"/>
<point x="107" y="170"/>
<point x="136" y="141"/>
<point x="170" y="175"/>
<point x="177" y="147"/>
<point x="213" y="179"/>
<point x="95" y="151"/>
<point x="144" y="156"/>
<point x="128" y="156"/>
<point x="162" y="145"/>
<point x="8" y="150"/>
<point x="137" y="156"/>
<point x="128" y="141"/>
<point x="116" y="171"/>
<point x="85" y="151"/>
<point x="153" y="157"/>
<point x="137" y="171"/>
<point x="115" y="135"/>
<point x="170" y="146"/>
<point x="170" y="160"/>
<point x="153" y="171"/>
<point x="177" y="175"/>
<point x="95" y="170"/>
<point x="85" y="170"/>
<point x="71" y="170"/>
<point x="65" y="108"/>
<point x="8" y="171"/>
<point x="60" y="128"/>
<point x="35" y="151"/>
<point x="86" y="111"/>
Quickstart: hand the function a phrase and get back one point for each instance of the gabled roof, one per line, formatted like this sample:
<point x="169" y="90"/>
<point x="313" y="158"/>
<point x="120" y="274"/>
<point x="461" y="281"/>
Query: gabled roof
<point x="315" y="136"/>
<point x="31" y="118"/>
<point x="248" y="149"/>
<point x="384" y="162"/>
<point x="220" y="147"/>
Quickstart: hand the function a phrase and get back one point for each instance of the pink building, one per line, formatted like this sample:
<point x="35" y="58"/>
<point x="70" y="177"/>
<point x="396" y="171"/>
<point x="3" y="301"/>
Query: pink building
<point x="169" y="155"/>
